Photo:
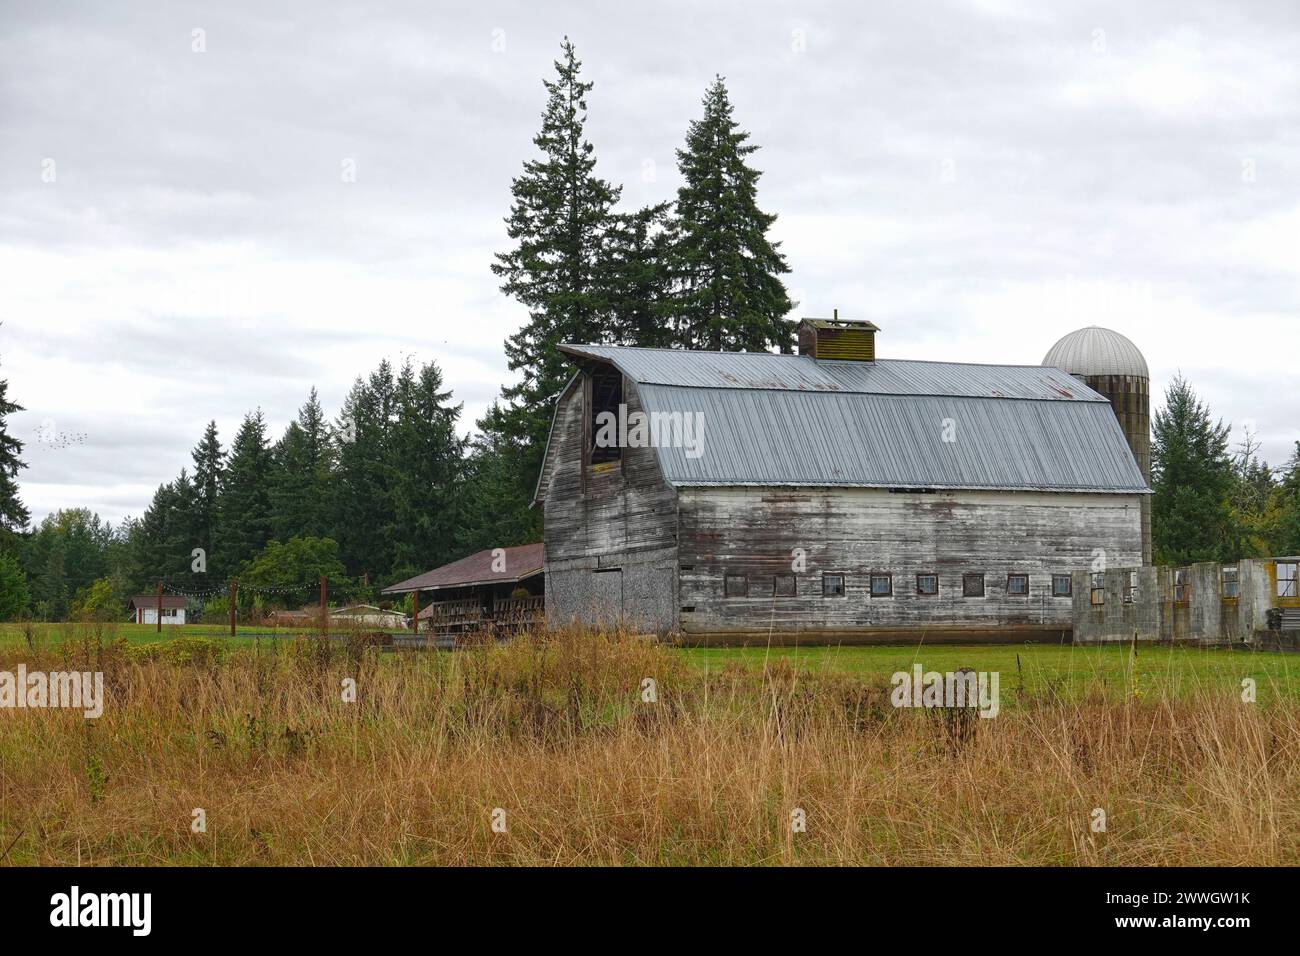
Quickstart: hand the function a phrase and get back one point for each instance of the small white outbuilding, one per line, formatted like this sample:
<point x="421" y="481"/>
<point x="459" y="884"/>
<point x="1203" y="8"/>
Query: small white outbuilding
<point x="144" y="609"/>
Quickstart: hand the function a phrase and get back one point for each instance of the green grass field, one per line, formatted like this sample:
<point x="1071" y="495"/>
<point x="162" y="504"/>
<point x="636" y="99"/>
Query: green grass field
<point x="1040" y="667"/>
<point x="1034" y="668"/>
<point x="14" y="635"/>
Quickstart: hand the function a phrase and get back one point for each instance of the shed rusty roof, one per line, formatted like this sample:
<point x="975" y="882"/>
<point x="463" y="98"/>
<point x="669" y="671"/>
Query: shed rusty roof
<point x="790" y="420"/>
<point x="170" y="602"/>
<point x="522" y="561"/>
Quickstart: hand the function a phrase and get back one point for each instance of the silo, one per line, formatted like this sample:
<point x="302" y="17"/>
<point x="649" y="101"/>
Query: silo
<point x="1109" y="363"/>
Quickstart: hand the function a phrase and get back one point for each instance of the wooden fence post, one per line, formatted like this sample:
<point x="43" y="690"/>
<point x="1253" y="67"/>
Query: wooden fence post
<point x="324" y="605"/>
<point x="234" y="598"/>
<point x="159" y="611"/>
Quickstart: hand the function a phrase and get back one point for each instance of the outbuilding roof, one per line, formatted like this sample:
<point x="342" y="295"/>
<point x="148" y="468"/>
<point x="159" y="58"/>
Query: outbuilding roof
<point x="517" y="563"/>
<point x="170" y="602"/>
<point x="791" y="420"/>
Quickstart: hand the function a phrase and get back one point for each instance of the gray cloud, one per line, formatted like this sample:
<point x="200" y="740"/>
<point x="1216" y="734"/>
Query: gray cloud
<point x="978" y="178"/>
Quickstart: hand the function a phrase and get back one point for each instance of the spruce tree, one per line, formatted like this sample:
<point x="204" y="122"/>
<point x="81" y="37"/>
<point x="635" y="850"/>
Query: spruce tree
<point x="1191" y="477"/>
<point x="638" y="250"/>
<point x="13" y="515"/>
<point x="425" y="461"/>
<point x="164" y="537"/>
<point x="559" y="222"/>
<point x="300" y="476"/>
<point x="317" y="461"/>
<point x="288" y="492"/>
<point x="360" y="496"/>
<point x="1287" y="534"/>
<point x="497" y="494"/>
<point x="182" y="534"/>
<point x="209" y="465"/>
<point x="729" y="294"/>
<point x="244" y="512"/>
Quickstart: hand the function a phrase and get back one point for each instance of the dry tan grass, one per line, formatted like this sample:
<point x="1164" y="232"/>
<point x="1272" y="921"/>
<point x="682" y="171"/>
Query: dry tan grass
<point x="554" y="731"/>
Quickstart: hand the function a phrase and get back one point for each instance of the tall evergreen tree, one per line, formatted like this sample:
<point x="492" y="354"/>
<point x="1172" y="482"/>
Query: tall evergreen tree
<point x="317" y="458"/>
<point x="1191" y="477"/>
<point x="558" y="222"/>
<point x="13" y="515"/>
<point x="638" y="276"/>
<point x="182" y="530"/>
<point x="153" y="540"/>
<point x="496" y="497"/>
<point x="209" y="465"/>
<point x="361" y="496"/>
<point x="425" y="455"/>
<point x="729" y="292"/>
<point x="244" y="511"/>
<point x="1287" y="533"/>
<point x="300" y="476"/>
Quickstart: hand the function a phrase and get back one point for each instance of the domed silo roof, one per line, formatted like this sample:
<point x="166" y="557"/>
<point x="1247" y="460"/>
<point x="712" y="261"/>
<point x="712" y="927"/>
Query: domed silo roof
<point x="1097" y="351"/>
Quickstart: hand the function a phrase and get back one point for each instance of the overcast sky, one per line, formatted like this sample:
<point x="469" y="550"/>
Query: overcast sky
<point x="977" y="178"/>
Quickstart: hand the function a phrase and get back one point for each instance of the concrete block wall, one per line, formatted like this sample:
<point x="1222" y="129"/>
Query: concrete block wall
<point x="1206" y="616"/>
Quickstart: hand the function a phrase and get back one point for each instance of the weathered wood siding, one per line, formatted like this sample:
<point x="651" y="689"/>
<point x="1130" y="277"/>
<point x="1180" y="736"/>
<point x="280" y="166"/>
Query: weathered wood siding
<point x="611" y="533"/>
<point x="855" y="532"/>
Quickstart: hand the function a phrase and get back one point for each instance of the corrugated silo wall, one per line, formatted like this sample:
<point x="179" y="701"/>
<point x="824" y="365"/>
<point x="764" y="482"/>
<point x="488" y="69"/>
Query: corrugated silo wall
<point x="611" y="553"/>
<point x="1130" y="397"/>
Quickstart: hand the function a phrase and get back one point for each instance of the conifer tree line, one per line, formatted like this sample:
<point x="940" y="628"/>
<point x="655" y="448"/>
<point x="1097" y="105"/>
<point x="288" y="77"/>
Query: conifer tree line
<point x="372" y="496"/>
<point x="1212" y="501"/>
<point x="389" y="488"/>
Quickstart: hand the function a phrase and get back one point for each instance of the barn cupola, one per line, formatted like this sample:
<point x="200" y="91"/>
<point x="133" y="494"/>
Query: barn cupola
<point x="838" y="340"/>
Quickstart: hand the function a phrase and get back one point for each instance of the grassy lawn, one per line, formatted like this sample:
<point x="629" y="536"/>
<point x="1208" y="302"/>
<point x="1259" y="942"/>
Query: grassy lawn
<point x="1177" y="670"/>
<point x="14" y="635"/>
<point x="1069" y="670"/>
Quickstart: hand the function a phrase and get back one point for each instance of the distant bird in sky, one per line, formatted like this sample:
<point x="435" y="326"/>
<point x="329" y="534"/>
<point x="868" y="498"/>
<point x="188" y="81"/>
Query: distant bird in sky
<point x="49" y="436"/>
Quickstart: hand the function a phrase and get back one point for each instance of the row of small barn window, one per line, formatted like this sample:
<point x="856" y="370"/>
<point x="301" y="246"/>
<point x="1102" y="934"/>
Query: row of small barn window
<point x="882" y="585"/>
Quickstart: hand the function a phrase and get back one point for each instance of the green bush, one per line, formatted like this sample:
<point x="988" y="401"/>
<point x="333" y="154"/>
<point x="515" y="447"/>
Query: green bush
<point x="97" y="602"/>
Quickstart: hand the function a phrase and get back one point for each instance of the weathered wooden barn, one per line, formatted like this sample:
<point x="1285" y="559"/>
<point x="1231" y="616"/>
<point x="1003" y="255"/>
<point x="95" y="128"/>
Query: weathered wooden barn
<point x="830" y="495"/>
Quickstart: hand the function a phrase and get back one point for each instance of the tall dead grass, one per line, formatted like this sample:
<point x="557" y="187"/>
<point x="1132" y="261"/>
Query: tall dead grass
<point x="554" y="731"/>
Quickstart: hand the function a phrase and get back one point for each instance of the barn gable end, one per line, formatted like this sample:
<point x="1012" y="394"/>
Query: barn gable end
<point x="610" y="527"/>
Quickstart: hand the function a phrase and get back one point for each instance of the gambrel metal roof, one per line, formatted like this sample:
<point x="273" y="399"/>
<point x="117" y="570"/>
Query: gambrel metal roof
<point x="790" y="420"/>
<point x="770" y="371"/>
